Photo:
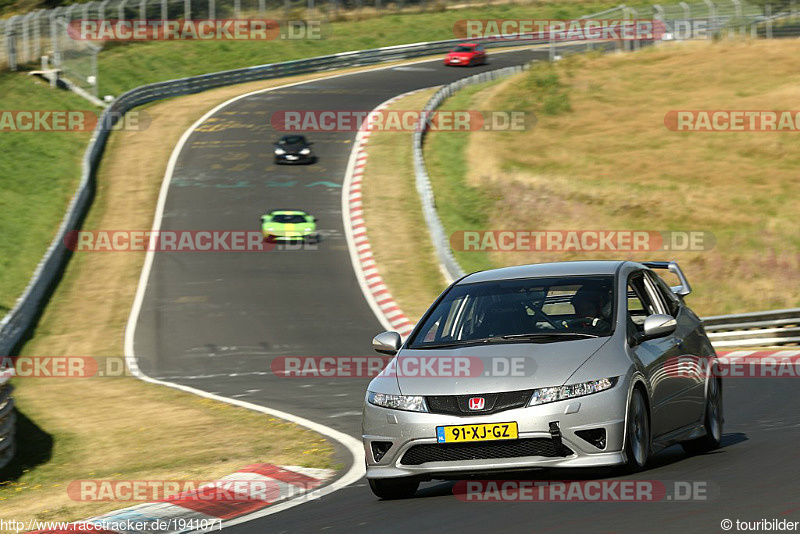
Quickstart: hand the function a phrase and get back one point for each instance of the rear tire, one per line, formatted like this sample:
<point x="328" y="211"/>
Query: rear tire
<point x="713" y="422"/>
<point x="637" y="434"/>
<point x="394" y="488"/>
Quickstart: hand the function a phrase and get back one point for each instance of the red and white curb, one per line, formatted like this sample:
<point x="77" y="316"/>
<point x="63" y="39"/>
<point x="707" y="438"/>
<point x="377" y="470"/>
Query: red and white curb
<point x="250" y="489"/>
<point x="375" y="290"/>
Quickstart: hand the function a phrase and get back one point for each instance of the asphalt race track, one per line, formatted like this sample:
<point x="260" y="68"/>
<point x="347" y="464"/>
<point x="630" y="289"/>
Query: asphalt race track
<point x="216" y="321"/>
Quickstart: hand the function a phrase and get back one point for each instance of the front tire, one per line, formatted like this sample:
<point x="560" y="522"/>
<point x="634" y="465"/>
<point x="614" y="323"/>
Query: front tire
<point x="713" y="422"/>
<point x="637" y="434"/>
<point x="393" y="488"/>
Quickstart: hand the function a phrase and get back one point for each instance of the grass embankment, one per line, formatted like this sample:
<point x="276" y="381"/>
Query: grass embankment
<point x="124" y="66"/>
<point x="601" y="158"/>
<point x="39" y="172"/>
<point x="393" y="215"/>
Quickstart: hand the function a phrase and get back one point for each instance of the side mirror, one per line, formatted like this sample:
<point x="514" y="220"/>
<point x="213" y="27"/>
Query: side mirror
<point x="387" y="343"/>
<point x="263" y="218"/>
<point x="314" y="219"/>
<point x="657" y="325"/>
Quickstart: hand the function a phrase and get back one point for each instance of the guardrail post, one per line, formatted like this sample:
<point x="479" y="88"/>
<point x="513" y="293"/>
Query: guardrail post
<point x="712" y="22"/>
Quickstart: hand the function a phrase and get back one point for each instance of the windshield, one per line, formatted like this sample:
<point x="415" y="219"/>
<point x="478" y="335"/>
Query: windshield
<point x="538" y="309"/>
<point x="463" y="49"/>
<point x="292" y="140"/>
<point x="288" y="219"/>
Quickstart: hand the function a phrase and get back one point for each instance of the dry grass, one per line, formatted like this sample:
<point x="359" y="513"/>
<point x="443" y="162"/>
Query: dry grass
<point x="611" y="163"/>
<point x="393" y="214"/>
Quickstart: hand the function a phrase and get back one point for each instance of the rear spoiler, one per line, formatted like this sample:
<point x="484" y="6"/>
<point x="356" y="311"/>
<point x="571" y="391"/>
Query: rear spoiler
<point x="672" y="266"/>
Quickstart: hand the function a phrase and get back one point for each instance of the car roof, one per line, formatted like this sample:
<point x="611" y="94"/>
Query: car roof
<point x="288" y="212"/>
<point x="544" y="270"/>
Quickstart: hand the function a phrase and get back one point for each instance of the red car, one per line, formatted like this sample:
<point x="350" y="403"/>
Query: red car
<point x="466" y="54"/>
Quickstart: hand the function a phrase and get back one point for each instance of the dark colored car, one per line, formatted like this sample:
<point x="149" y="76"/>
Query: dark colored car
<point x="294" y="149"/>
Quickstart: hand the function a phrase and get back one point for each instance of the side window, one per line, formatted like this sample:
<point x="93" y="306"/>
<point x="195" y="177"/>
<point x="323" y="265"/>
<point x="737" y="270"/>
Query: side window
<point x="672" y="301"/>
<point x="643" y="299"/>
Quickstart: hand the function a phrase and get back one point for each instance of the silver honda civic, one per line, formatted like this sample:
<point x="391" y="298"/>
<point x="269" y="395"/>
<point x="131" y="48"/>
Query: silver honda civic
<point x="570" y="364"/>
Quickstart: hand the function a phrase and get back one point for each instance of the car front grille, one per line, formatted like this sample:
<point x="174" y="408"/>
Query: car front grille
<point x="494" y="402"/>
<point x="459" y="452"/>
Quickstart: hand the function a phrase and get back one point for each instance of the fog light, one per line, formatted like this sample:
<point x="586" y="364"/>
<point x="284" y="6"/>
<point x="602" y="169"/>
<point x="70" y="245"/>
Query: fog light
<point x="595" y="436"/>
<point x="380" y="448"/>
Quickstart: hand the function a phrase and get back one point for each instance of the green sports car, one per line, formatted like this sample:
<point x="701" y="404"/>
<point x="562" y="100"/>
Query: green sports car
<point x="289" y="225"/>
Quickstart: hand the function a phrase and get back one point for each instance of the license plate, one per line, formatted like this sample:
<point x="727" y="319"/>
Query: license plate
<point x="482" y="432"/>
<point x="291" y="157"/>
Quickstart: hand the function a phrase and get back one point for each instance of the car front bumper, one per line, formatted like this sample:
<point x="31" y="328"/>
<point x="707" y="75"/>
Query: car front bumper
<point x="605" y="410"/>
<point x="290" y="237"/>
<point x="294" y="158"/>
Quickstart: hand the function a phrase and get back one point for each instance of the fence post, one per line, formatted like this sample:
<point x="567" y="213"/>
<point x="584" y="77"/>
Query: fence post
<point x="658" y="14"/>
<point x="187" y="9"/>
<point x="711" y="18"/>
<point x="768" y="8"/>
<point x="26" y="40"/>
<point x="212" y="9"/>
<point x="37" y="34"/>
<point x="121" y="10"/>
<point x="143" y="9"/>
<point x="262" y="7"/>
<point x="164" y="10"/>
<point x="11" y="44"/>
<point x="54" y="38"/>
<point x="237" y="9"/>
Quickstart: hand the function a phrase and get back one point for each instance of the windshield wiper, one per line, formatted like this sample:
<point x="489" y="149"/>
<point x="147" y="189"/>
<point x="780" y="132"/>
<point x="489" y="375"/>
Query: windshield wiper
<point x="508" y="337"/>
<point x="547" y="335"/>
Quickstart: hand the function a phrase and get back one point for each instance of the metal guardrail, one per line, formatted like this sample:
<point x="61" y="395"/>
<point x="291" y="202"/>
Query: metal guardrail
<point x="441" y="243"/>
<point x="21" y="318"/>
<point x="763" y="329"/>
<point x="8" y="422"/>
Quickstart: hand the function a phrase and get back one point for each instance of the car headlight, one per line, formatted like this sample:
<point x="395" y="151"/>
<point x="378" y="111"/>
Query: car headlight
<point x="280" y="151"/>
<point x="409" y="403"/>
<point x="570" y="391"/>
<point x="306" y="151"/>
